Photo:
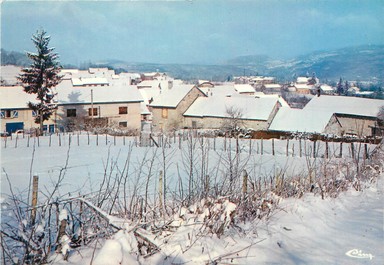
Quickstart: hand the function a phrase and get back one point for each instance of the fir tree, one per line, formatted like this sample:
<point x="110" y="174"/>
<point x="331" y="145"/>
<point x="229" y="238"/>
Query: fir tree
<point x="41" y="77"/>
<point x="340" y="89"/>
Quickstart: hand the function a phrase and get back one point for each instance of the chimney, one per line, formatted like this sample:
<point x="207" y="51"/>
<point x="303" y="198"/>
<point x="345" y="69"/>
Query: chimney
<point x="170" y="84"/>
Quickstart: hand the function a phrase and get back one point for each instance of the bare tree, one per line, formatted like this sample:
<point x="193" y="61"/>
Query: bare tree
<point x="233" y="121"/>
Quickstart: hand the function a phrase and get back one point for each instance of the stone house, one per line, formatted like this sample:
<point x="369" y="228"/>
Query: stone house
<point x="214" y="112"/>
<point x="169" y="106"/>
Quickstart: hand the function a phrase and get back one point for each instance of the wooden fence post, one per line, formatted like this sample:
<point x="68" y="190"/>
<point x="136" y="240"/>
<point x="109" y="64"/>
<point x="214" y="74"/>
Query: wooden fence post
<point x="293" y="149"/>
<point x="78" y="140"/>
<point x="326" y="150"/>
<point x="60" y="139"/>
<point x="353" y="150"/>
<point x="245" y="183"/>
<point x="17" y="137"/>
<point x="50" y="140"/>
<point x="97" y="139"/>
<point x="179" y="141"/>
<point x="366" y="155"/>
<point x="273" y="146"/>
<point x="250" y="146"/>
<point x="261" y="147"/>
<point x="287" y="147"/>
<point x="88" y="137"/>
<point x="35" y="188"/>
<point x="300" y="152"/>
<point x="341" y="150"/>
<point x="314" y="149"/>
<point x="28" y="141"/>
<point x="161" y="192"/>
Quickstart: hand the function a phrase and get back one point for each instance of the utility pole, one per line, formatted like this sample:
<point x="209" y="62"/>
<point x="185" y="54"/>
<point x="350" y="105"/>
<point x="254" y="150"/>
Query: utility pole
<point x="92" y="105"/>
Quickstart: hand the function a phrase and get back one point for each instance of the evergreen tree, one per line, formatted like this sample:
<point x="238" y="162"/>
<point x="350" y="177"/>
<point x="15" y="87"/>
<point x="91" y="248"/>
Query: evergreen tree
<point x="340" y="89"/>
<point x="41" y="77"/>
<point x="346" y="86"/>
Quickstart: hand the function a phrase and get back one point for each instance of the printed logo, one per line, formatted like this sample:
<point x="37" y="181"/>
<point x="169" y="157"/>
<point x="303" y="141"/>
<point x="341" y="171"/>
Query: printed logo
<point x="359" y="254"/>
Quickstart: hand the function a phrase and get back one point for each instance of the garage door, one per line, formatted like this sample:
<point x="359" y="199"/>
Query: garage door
<point x="12" y="127"/>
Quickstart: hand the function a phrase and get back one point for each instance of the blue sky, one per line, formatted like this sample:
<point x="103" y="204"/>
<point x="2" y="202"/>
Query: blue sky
<point x="191" y="31"/>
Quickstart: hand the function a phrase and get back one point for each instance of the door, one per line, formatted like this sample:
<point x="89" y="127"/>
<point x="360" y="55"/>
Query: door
<point x="12" y="127"/>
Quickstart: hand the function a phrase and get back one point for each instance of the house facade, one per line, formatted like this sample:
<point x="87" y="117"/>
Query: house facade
<point x="168" y="107"/>
<point x="15" y="114"/>
<point x="114" y="105"/>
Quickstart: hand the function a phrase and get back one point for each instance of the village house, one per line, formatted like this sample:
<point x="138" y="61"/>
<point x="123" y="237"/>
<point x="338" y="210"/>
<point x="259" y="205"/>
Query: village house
<point x="326" y="90"/>
<point x="168" y="107"/>
<point x="244" y="89"/>
<point x="214" y="112"/>
<point x="271" y="88"/>
<point x="94" y="97"/>
<point x="15" y="113"/>
<point x="334" y="115"/>
<point x="98" y="102"/>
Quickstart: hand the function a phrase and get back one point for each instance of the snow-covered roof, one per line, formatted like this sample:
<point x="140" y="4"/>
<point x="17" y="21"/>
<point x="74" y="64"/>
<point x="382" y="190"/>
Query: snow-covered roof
<point x="298" y="120"/>
<point x="144" y="109"/>
<point x="302" y="80"/>
<point x="14" y="97"/>
<point x="244" y="88"/>
<point x="327" y="88"/>
<point x="9" y="73"/>
<point x="345" y="105"/>
<point x="251" y="107"/>
<point x="302" y="86"/>
<point x="270" y="86"/>
<point x="148" y="83"/>
<point x="276" y="96"/>
<point x="170" y="98"/>
<point x="149" y="93"/>
<point x="117" y="92"/>
<point x="89" y="81"/>
<point x="223" y="90"/>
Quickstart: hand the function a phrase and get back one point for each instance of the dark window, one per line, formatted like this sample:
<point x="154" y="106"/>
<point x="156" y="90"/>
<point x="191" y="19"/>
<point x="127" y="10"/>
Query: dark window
<point x="71" y="112"/>
<point x="123" y="124"/>
<point x="123" y="110"/>
<point x="94" y="112"/>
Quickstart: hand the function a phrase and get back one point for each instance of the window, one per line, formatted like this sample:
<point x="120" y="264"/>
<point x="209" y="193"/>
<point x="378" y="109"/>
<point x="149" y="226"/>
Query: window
<point x="123" y="124"/>
<point x="71" y="112"/>
<point x="164" y="113"/>
<point x="9" y="114"/>
<point x="123" y="110"/>
<point x="94" y="112"/>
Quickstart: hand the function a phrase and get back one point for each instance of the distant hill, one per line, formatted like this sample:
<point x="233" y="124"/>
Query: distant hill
<point x="364" y="63"/>
<point x="361" y="63"/>
<point x="14" y="58"/>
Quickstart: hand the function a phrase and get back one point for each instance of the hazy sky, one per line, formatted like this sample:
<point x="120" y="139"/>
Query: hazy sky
<point x="191" y="31"/>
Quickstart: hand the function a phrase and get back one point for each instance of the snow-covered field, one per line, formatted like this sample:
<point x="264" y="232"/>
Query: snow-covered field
<point x="346" y="230"/>
<point x="343" y="230"/>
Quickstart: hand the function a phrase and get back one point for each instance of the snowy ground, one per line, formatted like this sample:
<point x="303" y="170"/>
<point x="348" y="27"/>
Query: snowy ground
<point x="302" y="231"/>
<point x="345" y="230"/>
